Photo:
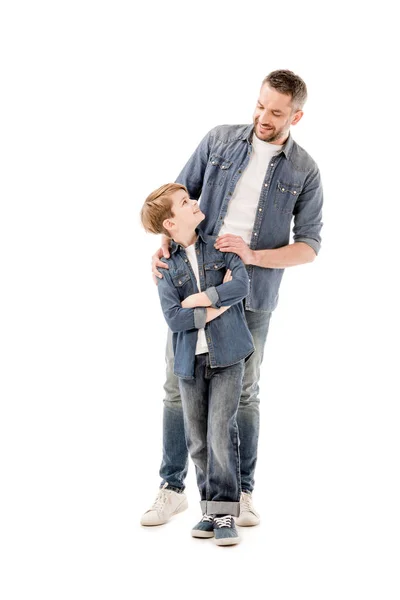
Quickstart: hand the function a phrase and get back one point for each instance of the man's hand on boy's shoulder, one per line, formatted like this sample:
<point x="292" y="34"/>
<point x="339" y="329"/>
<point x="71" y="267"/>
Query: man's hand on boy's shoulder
<point x="156" y="263"/>
<point x="236" y="244"/>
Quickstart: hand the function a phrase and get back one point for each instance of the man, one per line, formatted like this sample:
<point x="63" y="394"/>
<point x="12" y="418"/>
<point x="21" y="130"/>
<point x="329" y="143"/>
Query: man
<point x="253" y="179"/>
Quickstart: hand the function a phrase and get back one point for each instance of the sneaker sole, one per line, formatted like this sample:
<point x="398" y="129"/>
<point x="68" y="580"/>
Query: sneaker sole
<point x="198" y="533"/>
<point x="227" y="541"/>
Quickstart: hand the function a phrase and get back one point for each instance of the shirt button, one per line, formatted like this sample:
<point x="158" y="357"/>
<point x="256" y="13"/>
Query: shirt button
<point x="255" y="234"/>
<point x="283" y="189"/>
<point x="179" y="282"/>
<point x="294" y="192"/>
<point x="265" y="184"/>
<point x="260" y="210"/>
<point x="213" y="162"/>
<point x="240" y="170"/>
<point x="215" y="266"/>
<point x="272" y="164"/>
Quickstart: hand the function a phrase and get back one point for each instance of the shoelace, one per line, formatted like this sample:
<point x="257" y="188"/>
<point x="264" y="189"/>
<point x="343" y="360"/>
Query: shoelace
<point x="223" y="521"/>
<point x="161" y="499"/>
<point x="206" y="519"/>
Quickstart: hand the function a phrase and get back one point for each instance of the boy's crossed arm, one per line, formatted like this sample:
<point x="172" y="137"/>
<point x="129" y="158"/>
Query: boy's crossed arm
<point x="201" y="299"/>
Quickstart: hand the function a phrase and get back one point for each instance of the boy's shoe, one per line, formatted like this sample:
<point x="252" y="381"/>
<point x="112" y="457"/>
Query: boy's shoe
<point x="167" y="504"/>
<point x="204" y="528"/>
<point x="225" y="532"/>
<point x="248" y="515"/>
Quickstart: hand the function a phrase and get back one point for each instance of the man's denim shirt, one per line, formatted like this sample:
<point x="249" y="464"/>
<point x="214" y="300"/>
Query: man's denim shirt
<point x="291" y="188"/>
<point x="228" y="337"/>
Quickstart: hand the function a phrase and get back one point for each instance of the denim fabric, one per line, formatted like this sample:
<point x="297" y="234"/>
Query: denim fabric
<point x="174" y="461"/>
<point x="292" y="188"/>
<point x="228" y="337"/>
<point x="210" y="403"/>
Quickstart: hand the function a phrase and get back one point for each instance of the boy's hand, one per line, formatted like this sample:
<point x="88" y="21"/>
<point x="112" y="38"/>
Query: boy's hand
<point x="155" y="259"/>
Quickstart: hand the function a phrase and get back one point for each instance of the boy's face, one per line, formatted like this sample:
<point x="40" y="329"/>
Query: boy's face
<point x="187" y="214"/>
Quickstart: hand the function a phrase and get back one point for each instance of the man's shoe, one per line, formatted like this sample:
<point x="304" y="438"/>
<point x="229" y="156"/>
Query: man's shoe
<point x="204" y="528"/>
<point x="167" y="504"/>
<point x="225" y="532"/>
<point x="248" y="515"/>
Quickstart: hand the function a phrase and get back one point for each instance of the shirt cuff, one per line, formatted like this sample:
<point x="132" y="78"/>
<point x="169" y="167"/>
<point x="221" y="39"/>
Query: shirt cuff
<point x="313" y="243"/>
<point x="213" y="296"/>
<point x="200" y="317"/>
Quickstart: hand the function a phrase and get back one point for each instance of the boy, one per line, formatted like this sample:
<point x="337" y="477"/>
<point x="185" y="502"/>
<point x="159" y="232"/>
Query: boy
<point x="201" y="296"/>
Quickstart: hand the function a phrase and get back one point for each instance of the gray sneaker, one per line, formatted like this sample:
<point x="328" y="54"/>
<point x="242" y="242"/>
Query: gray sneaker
<point x="225" y="532"/>
<point x="248" y="515"/>
<point x="167" y="504"/>
<point x="204" y="528"/>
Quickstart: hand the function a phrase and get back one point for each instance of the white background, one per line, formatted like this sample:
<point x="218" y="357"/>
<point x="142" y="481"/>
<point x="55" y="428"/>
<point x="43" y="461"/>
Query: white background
<point x="101" y="103"/>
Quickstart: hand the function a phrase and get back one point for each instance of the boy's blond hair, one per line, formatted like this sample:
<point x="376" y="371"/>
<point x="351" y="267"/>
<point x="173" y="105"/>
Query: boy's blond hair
<point x="158" y="207"/>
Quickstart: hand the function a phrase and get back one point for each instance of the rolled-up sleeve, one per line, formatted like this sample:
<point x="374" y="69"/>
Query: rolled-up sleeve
<point x="308" y="213"/>
<point x="178" y="318"/>
<point x="227" y="294"/>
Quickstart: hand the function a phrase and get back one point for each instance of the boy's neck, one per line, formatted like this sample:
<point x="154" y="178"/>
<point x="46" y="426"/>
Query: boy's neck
<point x="185" y="239"/>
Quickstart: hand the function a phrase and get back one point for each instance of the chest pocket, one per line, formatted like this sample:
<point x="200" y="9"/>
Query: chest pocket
<point x="285" y="197"/>
<point x="218" y="169"/>
<point x="215" y="272"/>
<point x="183" y="283"/>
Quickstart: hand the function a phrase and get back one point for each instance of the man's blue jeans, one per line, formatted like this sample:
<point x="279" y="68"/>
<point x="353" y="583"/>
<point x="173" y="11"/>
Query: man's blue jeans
<point x="175" y="456"/>
<point x="210" y="403"/>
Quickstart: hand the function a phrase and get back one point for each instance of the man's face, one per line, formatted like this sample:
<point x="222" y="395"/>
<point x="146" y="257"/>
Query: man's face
<point x="274" y="115"/>
<point x="187" y="214"/>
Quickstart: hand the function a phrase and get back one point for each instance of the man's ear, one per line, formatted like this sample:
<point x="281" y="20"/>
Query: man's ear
<point x="296" y="117"/>
<point x="168" y="224"/>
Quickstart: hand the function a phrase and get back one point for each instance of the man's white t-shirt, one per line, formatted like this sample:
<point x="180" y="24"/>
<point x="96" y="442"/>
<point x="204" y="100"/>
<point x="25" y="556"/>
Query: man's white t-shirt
<point x="242" y="208"/>
<point x="201" y="345"/>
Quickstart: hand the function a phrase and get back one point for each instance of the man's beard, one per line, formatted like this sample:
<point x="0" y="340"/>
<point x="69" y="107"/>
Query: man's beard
<point x="274" y="134"/>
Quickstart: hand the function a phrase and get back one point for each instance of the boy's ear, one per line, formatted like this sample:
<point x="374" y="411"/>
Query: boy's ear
<point x="168" y="224"/>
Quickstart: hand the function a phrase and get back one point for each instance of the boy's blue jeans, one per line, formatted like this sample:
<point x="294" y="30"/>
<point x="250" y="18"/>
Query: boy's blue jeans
<point x="174" y="461"/>
<point x="210" y="403"/>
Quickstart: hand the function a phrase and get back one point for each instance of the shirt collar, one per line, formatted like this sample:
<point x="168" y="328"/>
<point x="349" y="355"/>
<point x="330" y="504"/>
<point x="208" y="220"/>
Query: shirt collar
<point x="287" y="146"/>
<point x="175" y="246"/>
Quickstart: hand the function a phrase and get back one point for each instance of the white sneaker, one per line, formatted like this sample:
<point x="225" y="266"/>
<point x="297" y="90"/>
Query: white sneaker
<point x="167" y="504"/>
<point x="248" y="515"/>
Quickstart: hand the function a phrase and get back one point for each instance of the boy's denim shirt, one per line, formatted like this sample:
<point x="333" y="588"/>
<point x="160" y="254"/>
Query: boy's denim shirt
<point x="291" y="188"/>
<point x="228" y="337"/>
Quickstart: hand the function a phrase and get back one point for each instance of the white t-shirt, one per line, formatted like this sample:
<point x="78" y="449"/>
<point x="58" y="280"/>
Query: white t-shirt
<point x="242" y="207"/>
<point x="201" y="345"/>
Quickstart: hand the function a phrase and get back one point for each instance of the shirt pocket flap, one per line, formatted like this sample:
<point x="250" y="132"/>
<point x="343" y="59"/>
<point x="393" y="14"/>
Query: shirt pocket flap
<point x="289" y="188"/>
<point x="215" y="266"/>
<point x="180" y="279"/>
<point x="219" y="161"/>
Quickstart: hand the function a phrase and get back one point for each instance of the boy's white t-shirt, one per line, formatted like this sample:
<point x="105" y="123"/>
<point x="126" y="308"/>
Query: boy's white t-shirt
<point x="201" y="346"/>
<point x="242" y="207"/>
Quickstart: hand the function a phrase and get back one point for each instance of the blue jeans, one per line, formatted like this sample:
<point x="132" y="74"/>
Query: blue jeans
<point x="174" y="463"/>
<point x="210" y="403"/>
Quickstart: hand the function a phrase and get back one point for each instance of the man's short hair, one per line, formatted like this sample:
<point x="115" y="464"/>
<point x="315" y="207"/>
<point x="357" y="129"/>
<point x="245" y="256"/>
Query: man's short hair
<point x="286" y="82"/>
<point x="158" y="207"/>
